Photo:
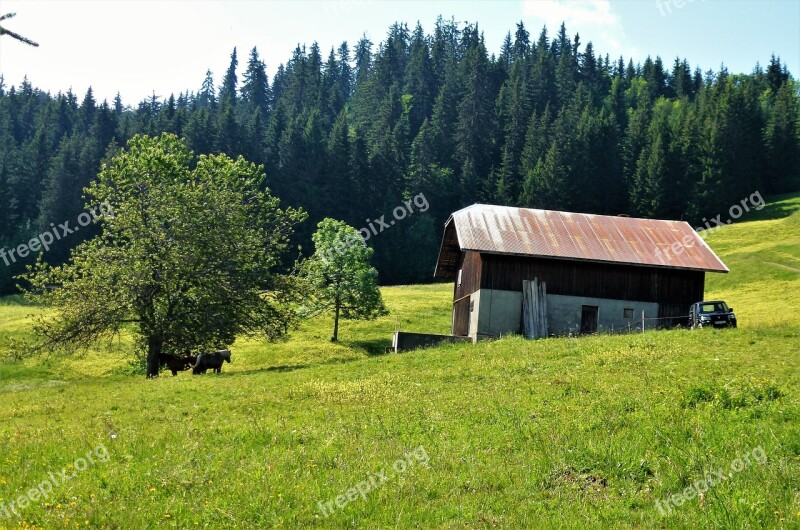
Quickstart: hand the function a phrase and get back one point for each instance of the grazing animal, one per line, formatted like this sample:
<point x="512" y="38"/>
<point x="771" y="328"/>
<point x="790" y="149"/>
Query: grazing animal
<point x="174" y="363"/>
<point x="212" y="361"/>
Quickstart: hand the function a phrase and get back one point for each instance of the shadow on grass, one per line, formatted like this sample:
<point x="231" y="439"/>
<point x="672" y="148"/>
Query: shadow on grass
<point x="293" y="367"/>
<point x="778" y="207"/>
<point x="372" y="347"/>
<point x="287" y="368"/>
<point x="17" y="300"/>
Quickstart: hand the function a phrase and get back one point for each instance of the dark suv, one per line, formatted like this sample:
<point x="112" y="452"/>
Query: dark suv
<point x="714" y="313"/>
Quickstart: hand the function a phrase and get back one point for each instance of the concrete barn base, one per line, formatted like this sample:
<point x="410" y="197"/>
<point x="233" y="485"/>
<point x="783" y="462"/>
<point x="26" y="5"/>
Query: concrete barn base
<point x="405" y="341"/>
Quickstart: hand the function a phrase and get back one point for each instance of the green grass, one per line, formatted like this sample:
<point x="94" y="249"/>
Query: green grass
<point x="764" y="258"/>
<point x="586" y="432"/>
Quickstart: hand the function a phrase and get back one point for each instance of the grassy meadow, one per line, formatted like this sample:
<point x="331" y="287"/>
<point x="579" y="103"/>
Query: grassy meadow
<point x="557" y="433"/>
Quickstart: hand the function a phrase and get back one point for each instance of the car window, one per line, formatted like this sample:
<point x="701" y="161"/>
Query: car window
<point x="716" y="307"/>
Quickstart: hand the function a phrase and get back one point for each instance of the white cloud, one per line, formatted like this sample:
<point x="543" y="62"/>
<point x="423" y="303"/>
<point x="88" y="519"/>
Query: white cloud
<point x="593" y="20"/>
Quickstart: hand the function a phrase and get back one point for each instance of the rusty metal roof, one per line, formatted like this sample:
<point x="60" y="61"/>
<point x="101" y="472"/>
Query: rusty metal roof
<point x="577" y="236"/>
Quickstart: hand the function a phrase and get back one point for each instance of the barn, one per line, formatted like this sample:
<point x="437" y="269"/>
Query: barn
<point x="592" y="272"/>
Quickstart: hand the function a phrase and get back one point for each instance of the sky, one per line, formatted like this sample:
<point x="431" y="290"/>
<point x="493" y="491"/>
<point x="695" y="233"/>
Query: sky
<point x="144" y="47"/>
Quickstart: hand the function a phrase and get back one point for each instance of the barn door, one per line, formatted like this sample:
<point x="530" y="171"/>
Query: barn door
<point x="461" y="317"/>
<point x="589" y="319"/>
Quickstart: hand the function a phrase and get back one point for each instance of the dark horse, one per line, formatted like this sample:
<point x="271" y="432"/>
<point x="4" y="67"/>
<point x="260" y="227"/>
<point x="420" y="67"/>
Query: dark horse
<point x="213" y="361"/>
<point x="174" y="363"/>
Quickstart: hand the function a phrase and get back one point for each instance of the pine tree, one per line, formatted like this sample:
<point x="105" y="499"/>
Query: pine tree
<point x="444" y="118"/>
<point x="506" y="53"/>
<point x="255" y="89"/>
<point x="227" y="91"/>
<point x="545" y="184"/>
<point x="475" y="127"/>
<point x="88" y="107"/>
<point x="345" y="71"/>
<point x="680" y="82"/>
<point x="339" y="183"/>
<point x="332" y="99"/>
<point x="514" y="113"/>
<point x="118" y="106"/>
<point x="522" y="43"/>
<point x="776" y="75"/>
<point x="548" y="124"/>
<point x="566" y="68"/>
<point x="420" y="81"/>
<point x="647" y="190"/>
<point x="363" y="58"/>
<point x="278" y="81"/>
<point x="781" y="140"/>
<point x="28" y="185"/>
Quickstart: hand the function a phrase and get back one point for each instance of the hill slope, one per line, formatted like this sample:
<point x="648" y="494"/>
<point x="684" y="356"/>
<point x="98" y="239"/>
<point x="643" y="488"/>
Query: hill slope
<point x="509" y="433"/>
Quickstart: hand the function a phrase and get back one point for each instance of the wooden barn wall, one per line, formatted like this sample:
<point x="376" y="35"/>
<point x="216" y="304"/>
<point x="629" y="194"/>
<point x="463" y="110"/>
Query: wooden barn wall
<point x="470" y="265"/>
<point x="460" y="324"/>
<point x="576" y="278"/>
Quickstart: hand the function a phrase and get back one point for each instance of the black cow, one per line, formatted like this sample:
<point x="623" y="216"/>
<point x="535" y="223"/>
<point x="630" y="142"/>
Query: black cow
<point x="174" y="363"/>
<point x="213" y="361"/>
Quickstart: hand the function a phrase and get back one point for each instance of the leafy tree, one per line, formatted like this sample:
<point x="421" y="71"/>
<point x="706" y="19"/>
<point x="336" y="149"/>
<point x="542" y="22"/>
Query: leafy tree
<point x="340" y="276"/>
<point x="187" y="256"/>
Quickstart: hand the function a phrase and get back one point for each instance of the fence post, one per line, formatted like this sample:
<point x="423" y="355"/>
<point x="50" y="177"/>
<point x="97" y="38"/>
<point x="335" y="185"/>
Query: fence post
<point x="642" y="320"/>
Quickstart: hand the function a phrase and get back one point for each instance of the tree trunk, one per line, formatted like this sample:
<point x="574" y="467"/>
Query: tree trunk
<point x="154" y="346"/>
<point x="336" y="323"/>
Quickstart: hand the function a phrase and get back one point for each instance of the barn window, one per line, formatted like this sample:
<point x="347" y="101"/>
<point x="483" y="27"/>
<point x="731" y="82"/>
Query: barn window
<point x="627" y="313"/>
<point x="459" y="277"/>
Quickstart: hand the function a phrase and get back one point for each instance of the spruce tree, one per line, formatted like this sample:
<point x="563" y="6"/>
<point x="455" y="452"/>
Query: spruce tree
<point x="255" y="89"/>
<point x="227" y="91"/>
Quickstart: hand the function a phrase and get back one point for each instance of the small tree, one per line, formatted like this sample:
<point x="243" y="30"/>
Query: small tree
<point x="188" y="258"/>
<point x="340" y="275"/>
